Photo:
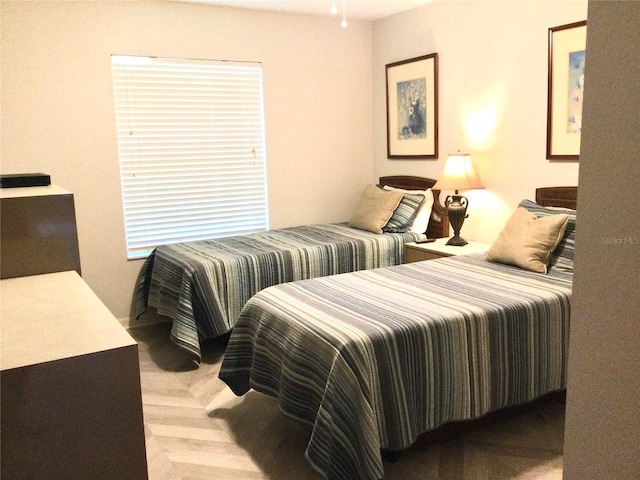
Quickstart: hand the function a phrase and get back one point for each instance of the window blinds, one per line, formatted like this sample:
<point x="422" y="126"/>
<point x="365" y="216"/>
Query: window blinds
<point x="191" y="149"/>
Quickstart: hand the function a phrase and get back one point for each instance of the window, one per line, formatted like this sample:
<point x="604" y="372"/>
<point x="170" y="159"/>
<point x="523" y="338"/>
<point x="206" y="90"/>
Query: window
<point x="191" y="149"/>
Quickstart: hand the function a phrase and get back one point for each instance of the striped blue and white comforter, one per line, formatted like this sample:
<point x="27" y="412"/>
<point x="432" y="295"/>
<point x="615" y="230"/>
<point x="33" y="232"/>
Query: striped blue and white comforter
<point x="203" y="285"/>
<point x="372" y="359"/>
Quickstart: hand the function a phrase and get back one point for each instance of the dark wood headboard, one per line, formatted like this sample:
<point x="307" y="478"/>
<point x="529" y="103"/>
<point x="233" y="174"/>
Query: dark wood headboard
<point x="438" y="223"/>
<point x="566" y="197"/>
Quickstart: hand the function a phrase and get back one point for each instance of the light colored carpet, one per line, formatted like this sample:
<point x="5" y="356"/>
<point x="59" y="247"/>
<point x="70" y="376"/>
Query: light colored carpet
<point x="197" y="429"/>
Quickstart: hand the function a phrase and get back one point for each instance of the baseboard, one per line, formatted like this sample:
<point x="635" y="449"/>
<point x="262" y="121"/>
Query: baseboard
<point x="145" y="320"/>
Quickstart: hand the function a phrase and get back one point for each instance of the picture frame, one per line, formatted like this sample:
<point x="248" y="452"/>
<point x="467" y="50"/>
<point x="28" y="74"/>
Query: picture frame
<point x="565" y="86"/>
<point x="412" y="108"/>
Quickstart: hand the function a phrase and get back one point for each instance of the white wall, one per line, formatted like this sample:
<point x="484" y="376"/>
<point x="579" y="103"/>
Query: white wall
<point x="493" y="96"/>
<point x="325" y="104"/>
<point x="58" y="116"/>
<point x="603" y="397"/>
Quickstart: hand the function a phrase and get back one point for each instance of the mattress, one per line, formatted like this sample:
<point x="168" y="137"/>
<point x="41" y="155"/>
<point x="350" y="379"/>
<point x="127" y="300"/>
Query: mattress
<point x="374" y="358"/>
<point x="203" y="285"/>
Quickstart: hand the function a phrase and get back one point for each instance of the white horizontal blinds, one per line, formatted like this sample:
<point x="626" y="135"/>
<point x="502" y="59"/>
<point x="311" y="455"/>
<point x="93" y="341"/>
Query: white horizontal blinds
<point x="191" y="148"/>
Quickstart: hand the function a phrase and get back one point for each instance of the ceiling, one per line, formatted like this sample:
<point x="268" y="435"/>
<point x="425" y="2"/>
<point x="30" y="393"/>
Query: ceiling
<point x="354" y="9"/>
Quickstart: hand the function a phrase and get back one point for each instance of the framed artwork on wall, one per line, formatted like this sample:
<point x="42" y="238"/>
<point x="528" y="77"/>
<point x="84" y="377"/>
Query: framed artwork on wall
<point x="565" y="86"/>
<point x="412" y="108"/>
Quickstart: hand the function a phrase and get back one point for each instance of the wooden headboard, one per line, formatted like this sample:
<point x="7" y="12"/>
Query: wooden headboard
<point x="566" y="197"/>
<point x="438" y="223"/>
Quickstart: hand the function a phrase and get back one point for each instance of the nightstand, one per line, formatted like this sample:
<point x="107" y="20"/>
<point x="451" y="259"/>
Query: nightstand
<point x="416" y="252"/>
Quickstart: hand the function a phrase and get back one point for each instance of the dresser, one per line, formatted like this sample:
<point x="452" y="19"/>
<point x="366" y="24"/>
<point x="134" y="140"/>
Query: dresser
<point x="39" y="233"/>
<point x="417" y="252"/>
<point x="70" y="402"/>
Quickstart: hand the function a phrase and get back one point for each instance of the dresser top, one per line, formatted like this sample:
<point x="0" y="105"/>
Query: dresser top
<point x="19" y="192"/>
<point x="51" y="317"/>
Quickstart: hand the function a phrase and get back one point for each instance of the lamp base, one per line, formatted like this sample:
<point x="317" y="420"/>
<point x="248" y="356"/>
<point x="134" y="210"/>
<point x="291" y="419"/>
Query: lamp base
<point x="457" y="241"/>
<point x="457" y="212"/>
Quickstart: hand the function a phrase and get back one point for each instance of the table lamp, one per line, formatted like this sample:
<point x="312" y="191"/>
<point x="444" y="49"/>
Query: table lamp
<point x="458" y="174"/>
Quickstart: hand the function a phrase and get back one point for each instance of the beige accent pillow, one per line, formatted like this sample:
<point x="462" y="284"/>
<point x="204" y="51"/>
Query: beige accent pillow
<point x="374" y="209"/>
<point x="527" y="241"/>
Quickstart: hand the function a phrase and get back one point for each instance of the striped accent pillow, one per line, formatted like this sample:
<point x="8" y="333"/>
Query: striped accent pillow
<point x="562" y="256"/>
<point x="403" y="216"/>
<point x="423" y="215"/>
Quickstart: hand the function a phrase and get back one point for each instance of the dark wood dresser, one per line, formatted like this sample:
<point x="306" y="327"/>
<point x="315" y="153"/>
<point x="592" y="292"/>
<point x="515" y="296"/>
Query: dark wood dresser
<point x="38" y="231"/>
<point x="71" y="404"/>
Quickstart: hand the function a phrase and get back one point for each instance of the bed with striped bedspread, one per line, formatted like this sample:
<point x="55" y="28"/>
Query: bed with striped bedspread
<point x="374" y="358"/>
<point x="203" y="285"/>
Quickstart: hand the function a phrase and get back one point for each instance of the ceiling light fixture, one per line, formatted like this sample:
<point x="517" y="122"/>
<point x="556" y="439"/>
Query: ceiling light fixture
<point x="334" y="10"/>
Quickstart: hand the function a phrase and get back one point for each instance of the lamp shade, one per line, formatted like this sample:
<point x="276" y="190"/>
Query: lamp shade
<point x="458" y="174"/>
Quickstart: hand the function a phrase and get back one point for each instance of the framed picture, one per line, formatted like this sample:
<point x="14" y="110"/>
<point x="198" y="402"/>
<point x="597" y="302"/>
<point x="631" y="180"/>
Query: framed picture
<point x="565" y="88"/>
<point x="412" y="108"/>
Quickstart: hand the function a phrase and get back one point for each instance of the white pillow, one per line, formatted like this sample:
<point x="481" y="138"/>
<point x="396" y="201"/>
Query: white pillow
<point x="421" y="222"/>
